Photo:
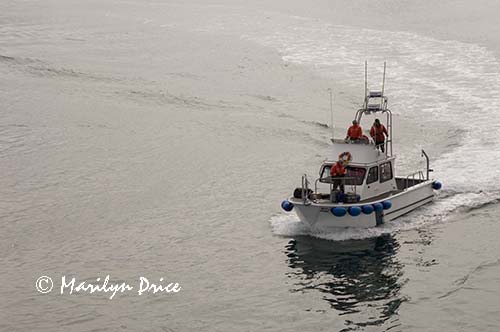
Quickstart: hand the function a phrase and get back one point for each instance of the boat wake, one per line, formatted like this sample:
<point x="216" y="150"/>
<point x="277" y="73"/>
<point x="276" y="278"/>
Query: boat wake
<point x="464" y="202"/>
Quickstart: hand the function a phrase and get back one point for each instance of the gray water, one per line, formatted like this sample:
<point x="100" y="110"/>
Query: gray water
<point x="157" y="139"/>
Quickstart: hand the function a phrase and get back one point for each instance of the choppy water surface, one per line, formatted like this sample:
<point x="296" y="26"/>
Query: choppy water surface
<point x="157" y="139"/>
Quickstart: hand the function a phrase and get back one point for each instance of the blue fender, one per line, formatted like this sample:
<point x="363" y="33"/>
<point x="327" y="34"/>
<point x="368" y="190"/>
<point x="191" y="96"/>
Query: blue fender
<point x="354" y="211"/>
<point x="386" y="204"/>
<point x="378" y="207"/>
<point x="367" y="209"/>
<point x="436" y="185"/>
<point x="287" y="206"/>
<point x="338" y="211"/>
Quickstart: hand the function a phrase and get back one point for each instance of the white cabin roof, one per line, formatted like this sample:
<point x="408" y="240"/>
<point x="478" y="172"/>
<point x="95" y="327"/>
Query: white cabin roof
<point x="361" y="153"/>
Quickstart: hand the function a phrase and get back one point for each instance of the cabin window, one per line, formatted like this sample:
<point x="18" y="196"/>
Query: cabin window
<point x="355" y="175"/>
<point x="326" y="172"/>
<point x="372" y="175"/>
<point x="385" y="172"/>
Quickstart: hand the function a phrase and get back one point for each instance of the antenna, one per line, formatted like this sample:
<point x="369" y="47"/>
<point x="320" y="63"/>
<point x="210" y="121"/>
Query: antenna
<point x="383" y="79"/>
<point x="331" y="110"/>
<point x="366" y="78"/>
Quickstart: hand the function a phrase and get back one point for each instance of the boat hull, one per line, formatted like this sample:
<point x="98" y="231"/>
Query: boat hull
<point x="318" y="216"/>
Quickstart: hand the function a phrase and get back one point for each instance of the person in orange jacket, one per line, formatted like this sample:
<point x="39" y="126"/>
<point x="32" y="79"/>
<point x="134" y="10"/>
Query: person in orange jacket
<point x="337" y="171"/>
<point x="354" y="133"/>
<point x="377" y="133"/>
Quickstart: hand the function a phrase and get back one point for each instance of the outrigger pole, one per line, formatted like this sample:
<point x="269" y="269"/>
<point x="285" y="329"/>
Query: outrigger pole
<point x="383" y="78"/>
<point x="331" y="111"/>
<point x="366" y="78"/>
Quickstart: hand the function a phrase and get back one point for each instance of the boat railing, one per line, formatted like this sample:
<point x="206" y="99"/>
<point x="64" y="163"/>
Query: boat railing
<point x="376" y="102"/>
<point x="356" y="164"/>
<point x="428" y="169"/>
<point x="305" y="190"/>
<point x="331" y="180"/>
<point x="418" y="175"/>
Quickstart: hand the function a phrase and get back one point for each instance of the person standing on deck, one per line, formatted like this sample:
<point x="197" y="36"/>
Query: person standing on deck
<point x="377" y="133"/>
<point x="354" y="133"/>
<point x="337" y="172"/>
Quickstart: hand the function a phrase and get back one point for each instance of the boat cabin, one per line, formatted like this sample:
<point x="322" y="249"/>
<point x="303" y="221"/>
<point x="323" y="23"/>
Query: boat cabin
<point x="369" y="174"/>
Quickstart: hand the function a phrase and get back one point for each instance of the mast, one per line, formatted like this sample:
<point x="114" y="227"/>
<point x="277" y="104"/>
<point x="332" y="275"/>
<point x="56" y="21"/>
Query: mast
<point x="366" y="81"/>
<point x="377" y="107"/>
<point x="383" y="84"/>
<point x="331" y="111"/>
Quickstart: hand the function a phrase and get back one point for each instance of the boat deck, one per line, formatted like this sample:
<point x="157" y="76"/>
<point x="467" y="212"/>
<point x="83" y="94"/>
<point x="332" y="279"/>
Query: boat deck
<point x="379" y="197"/>
<point x="402" y="184"/>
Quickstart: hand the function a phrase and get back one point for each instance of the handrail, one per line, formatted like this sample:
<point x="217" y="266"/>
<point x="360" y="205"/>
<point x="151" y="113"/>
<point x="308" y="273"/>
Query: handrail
<point x="354" y="164"/>
<point x="427" y="163"/>
<point x="387" y="111"/>
<point x="316" y="185"/>
<point x="305" y="190"/>
<point x="420" y="173"/>
<point x="337" y="178"/>
<point x="342" y="179"/>
<point x="412" y="175"/>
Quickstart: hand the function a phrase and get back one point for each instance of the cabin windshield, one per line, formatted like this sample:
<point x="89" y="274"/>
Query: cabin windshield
<point x="355" y="175"/>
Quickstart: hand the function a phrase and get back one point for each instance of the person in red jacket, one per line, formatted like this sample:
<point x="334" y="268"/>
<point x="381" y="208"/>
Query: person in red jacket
<point x="337" y="171"/>
<point x="377" y="132"/>
<point x="354" y="133"/>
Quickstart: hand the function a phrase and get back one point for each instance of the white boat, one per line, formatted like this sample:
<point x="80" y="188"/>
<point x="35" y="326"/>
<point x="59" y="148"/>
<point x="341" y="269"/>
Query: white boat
<point x="373" y="194"/>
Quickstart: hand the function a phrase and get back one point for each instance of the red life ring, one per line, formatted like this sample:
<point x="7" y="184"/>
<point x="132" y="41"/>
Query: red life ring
<point x="345" y="156"/>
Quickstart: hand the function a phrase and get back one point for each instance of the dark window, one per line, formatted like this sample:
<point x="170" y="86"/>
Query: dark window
<point x="385" y="172"/>
<point x="355" y="175"/>
<point x="372" y="175"/>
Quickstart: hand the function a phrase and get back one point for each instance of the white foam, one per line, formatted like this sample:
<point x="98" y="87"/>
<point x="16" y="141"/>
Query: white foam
<point x="290" y="225"/>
